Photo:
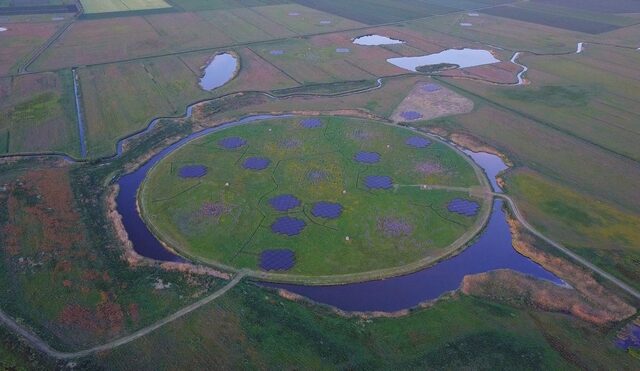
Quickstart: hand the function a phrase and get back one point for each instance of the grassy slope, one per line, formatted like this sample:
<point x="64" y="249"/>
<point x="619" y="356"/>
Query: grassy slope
<point x="173" y="204"/>
<point x="249" y="328"/>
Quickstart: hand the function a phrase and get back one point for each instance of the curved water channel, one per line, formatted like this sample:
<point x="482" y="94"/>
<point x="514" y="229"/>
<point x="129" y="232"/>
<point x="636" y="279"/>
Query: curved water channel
<point x="491" y="250"/>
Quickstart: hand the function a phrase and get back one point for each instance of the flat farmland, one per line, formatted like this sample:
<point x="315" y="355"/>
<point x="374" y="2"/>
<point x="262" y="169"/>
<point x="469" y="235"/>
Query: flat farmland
<point x="245" y="25"/>
<point x="307" y="63"/>
<point x="552" y="153"/>
<point x="304" y="20"/>
<point x="592" y="95"/>
<point x="377" y="12"/>
<point x="551" y="19"/>
<point x="183" y="31"/>
<point x="84" y="43"/>
<point x="255" y="74"/>
<point x="20" y="40"/>
<point x="611" y="6"/>
<point x="108" y="6"/>
<point x="490" y="30"/>
<point x="37" y="114"/>
<point x="122" y="98"/>
<point x="196" y="5"/>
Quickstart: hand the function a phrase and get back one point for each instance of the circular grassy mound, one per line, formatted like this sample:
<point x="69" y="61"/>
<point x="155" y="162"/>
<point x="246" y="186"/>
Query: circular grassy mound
<point x="313" y="197"/>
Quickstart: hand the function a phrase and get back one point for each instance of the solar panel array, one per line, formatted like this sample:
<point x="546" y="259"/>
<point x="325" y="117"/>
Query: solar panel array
<point x="418" y="142"/>
<point x="463" y="207"/>
<point x="311" y="123"/>
<point x="317" y="176"/>
<point x="256" y="163"/>
<point x="411" y="115"/>
<point x="284" y="202"/>
<point x="378" y="182"/>
<point x="232" y="142"/>
<point x="367" y="157"/>
<point x="288" y="226"/>
<point x="192" y="171"/>
<point x="327" y="210"/>
<point x="430" y="88"/>
<point x="277" y="260"/>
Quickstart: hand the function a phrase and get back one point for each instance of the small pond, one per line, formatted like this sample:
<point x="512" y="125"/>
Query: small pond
<point x="371" y="40"/>
<point x="462" y="57"/>
<point x="219" y="71"/>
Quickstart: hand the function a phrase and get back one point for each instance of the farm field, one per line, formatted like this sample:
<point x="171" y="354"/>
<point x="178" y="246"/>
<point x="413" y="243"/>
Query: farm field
<point x="588" y="95"/>
<point x="20" y="40"/>
<point x="127" y="96"/>
<point x="598" y="230"/>
<point x="317" y="165"/>
<point x="38" y="114"/>
<point x="108" y="6"/>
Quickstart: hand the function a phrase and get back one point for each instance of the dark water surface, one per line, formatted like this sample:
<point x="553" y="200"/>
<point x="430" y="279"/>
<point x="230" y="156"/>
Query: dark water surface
<point x="219" y="71"/>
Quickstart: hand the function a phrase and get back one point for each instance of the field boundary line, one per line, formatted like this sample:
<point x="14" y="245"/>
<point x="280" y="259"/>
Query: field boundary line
<point x="38" y="343"/>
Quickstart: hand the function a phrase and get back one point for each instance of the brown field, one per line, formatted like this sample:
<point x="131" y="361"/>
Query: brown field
<point x="256" y="74"/>
<point x="20" y="40"/>
<point x="308" y="21"/>
<point x="498" y="73"/>
<point x="62" y="285"/>
<point x="431" y="105"/>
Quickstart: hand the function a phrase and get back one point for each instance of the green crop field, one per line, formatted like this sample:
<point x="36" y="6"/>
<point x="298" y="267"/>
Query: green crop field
<point x="313" y="164"/>
<point x="37" y="114"/>
<point x="108" y="6"/>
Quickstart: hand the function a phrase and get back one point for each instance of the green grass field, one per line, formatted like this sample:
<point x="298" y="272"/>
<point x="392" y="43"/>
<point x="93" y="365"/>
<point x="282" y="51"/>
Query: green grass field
<point x="236" y="237"/>
<point x="109" y="6"/>
<point x="38" y="114"/>
<point x="249" y="328"/>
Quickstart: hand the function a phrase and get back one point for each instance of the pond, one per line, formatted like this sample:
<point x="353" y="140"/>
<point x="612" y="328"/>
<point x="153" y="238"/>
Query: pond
<point x="371" y="40"/>
<point x="463" y="58"/>
<point x="219" y="71"/>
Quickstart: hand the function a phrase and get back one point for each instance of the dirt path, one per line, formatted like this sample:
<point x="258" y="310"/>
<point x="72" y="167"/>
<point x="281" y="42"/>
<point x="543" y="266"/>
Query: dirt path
<point x="566" y="251"/>
<point x="39" y="344"/>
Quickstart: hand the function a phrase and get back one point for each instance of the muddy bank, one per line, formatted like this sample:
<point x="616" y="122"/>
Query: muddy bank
<point x="285" y="294"/>
<point x="594" y="303"/>
<point x="524" y="291"/>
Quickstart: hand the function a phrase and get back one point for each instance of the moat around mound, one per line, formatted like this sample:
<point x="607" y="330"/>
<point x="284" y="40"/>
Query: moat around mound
<point x="312" y="196"/>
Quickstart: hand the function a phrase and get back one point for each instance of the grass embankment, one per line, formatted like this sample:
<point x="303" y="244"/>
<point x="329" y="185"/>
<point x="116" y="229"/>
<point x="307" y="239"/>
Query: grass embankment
<point x="313" y="165"/>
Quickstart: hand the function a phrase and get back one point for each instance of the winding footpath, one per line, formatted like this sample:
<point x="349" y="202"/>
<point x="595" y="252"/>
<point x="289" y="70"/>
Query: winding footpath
<point x="36" y="342"/>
